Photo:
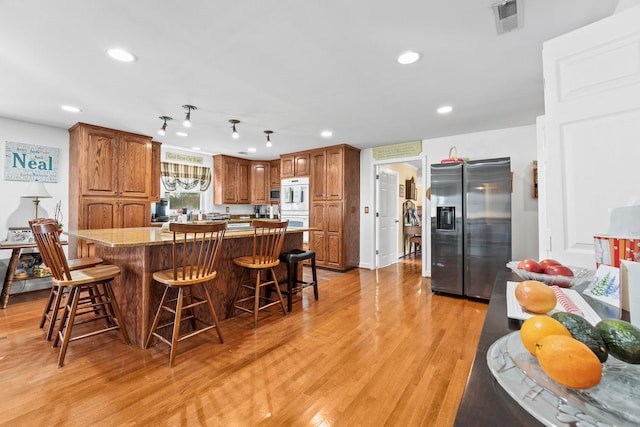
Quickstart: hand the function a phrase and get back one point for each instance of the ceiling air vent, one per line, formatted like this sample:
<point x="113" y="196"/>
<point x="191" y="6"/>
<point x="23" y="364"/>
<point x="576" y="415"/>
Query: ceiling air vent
<point x="508" y="15"/>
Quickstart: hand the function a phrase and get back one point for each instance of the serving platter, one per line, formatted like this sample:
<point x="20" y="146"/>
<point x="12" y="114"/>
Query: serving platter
<point x="515" y="310"/>
<point x="614" y="402"/>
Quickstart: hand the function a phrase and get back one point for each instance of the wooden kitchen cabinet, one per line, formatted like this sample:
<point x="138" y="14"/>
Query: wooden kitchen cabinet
<point x="232" y="183"/>
<point x="114" y="163"/>
<point x="260" y="182"/>
<point x="107" y="212"/>
<point x="155" y="171"/>
<point x="114" y="213"/>
<point x="327" y="169"/>
<point x="113" y="177"/>
<point x="328" y="239"/>
<point x="334" y="183"/>
<point x="274" y="173"/>
<point x="296" y="164"/>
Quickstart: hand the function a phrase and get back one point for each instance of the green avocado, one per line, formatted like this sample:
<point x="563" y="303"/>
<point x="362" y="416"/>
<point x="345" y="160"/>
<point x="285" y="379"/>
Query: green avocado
<point x="584" y="332"/>
<point x="622" y="338"/>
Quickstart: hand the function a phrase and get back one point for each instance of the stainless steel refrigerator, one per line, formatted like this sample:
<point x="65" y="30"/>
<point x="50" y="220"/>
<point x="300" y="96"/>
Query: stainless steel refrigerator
<point x="470" y="225"/>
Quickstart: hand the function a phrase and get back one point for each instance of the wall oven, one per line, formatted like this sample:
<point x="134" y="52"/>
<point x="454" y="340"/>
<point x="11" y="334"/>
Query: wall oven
<point x="294" y="203"/>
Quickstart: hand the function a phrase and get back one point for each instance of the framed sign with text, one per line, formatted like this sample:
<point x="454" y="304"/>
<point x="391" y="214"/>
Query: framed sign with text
<point x="27" y="162"/>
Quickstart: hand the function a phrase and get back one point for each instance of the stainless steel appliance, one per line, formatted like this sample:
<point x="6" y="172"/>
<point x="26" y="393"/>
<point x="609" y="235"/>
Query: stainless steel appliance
<point x="294" y="203"/>
<point x="274" y="195"/>
<point x="470" y="225"/>
<point x="159" y="211"/>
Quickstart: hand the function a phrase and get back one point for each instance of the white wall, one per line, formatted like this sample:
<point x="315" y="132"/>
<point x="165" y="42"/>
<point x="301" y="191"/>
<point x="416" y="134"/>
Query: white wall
<point x="16" y="211"/>
<point x="518" y="143"/>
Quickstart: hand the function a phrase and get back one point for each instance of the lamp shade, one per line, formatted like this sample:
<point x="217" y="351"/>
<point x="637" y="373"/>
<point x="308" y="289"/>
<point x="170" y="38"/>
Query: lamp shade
<point x="37" y="190"/>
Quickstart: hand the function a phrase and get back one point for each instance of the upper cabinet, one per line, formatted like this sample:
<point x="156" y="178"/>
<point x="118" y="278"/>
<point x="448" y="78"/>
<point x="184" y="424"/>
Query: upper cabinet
<point x="260" y="182"/>
<point x="274" y="173"/>
<point x="296" y="164"/>
<point x="232" y="180"/>
<point x="327" y="172"/>
<point x="109" y="158"/>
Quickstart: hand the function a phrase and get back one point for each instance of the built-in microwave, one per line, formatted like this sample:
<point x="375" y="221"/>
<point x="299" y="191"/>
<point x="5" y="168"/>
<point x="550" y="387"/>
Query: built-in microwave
<point x="274" y="195"/>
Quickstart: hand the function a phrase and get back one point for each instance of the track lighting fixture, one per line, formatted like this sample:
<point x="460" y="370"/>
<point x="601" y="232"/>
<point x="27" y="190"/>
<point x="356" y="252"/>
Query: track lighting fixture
<point x="163" y="130"/>
<point x="269" y="132"/>
<point x="187" y="121"/>
<point x="234" y="132"/>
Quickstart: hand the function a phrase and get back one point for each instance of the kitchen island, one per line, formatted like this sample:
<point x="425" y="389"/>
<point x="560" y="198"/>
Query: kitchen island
<point x="139" y="252"/>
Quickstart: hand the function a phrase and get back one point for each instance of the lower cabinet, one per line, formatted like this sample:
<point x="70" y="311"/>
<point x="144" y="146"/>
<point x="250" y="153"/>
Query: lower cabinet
<point x="107" y="212"/>
<point x="327" y="241"/>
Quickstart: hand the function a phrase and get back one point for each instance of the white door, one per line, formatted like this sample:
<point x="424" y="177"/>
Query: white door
<point x="387" y="216"/>
<point x="588" y="154"/>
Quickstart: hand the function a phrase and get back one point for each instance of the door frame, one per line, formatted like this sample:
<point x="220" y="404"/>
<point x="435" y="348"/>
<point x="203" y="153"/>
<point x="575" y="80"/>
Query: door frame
<point x="426" y="208"/>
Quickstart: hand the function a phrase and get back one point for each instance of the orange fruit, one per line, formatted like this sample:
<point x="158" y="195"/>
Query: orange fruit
<point x="535" y="296"/>
<point x="537" y="327"/>
<point x="568" y="361"/>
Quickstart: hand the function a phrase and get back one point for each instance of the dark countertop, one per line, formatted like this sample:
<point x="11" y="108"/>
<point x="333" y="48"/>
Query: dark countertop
<point x="484" y="402"/>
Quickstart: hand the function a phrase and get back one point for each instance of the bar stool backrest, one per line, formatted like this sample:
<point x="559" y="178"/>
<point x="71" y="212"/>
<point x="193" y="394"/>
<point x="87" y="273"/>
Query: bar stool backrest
<point x="45" y="233"/>
<point x="268" y="237"/>
<point x="196" y="248"/>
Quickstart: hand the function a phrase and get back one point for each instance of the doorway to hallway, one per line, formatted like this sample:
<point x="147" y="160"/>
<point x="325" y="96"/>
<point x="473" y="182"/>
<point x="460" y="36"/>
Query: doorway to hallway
<point x="391" y="241"/>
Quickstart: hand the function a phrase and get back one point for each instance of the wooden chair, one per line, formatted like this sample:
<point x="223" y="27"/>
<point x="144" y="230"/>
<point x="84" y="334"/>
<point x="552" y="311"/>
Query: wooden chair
<point x="94" y="280"/>
<point x="268" y="237"/>
<point x="415" y="242"/>
<point x="196" y="248"/>
<point x="53" y="307"/>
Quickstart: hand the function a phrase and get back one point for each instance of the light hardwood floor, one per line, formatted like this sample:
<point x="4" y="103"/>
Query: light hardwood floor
<point x="378" y="348"/>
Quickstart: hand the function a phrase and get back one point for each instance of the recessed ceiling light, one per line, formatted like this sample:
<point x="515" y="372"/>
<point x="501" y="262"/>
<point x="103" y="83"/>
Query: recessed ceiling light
<point x="445" y="109"/>
<point x="408" y="57"/>
<point x="251" y="150"/>
<point x="120" y="54"/>
<point x="179" y="133"/>
<point x="70" y="108"/>
<point x="326" y="134"/>
<point x="195" y="148"/>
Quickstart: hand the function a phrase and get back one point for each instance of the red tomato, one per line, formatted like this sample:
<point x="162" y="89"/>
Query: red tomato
<point x="558" y="270"/>
<point x="530" y="265"/>
<point x="547" y="262"/>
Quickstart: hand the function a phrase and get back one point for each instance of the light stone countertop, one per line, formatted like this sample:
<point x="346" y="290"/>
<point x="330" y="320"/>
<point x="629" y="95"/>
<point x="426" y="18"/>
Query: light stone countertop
<point x="149" y="236"/>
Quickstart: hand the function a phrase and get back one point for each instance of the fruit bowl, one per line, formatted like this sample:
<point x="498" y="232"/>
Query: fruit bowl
<point x="602" y="401"/>
<point x="580" y="275"/>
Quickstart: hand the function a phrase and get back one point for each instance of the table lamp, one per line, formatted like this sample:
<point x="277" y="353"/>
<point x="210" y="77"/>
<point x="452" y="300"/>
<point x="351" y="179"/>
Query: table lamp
<point x="36" y="191"/>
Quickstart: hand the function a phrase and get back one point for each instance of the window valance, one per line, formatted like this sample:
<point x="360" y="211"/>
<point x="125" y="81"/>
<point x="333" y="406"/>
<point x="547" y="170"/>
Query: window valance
<point x="188" y="177"/>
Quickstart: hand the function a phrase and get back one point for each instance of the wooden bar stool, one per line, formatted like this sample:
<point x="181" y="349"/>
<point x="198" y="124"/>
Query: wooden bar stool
<point x="52" y="307"/>
<point x="96" y="281"/>
<point x="196" y="248"/>
<point x="267" y="244"/>
<point x="292" y="258"/>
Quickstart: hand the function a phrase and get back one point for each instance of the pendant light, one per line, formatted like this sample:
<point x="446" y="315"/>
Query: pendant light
<point x="234" y="132"/>
<point x="163" y="130"/>
<point x="268" y="132"/>
<point x="187" y="120"/>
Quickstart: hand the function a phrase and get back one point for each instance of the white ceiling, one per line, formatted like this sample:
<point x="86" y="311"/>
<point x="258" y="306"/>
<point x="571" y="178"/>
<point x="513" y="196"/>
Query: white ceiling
<point x="292" y="66"/>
